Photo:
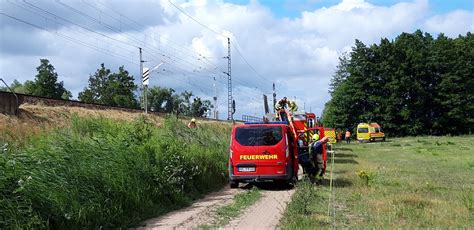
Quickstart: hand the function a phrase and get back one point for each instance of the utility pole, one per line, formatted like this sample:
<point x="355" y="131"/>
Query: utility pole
<point x="230" y="103"/>
<point x="274" y="98"/>
<point x="141" y="76"/>
<point x="145" y="96"/>
<point x="145" y="81"/>
<point x="215" y="100"/>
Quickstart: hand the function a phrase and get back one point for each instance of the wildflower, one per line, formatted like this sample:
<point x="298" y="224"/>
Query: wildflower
<point x="366" y="176"/>
<point x="20" y="182"/>
<point x="362" y="174"/>
<point x="5" y="148"/>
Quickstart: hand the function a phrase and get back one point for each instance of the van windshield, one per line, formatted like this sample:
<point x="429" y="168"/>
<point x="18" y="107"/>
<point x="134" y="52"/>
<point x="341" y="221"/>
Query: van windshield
<point x="299" y="117"/>
<point x="363" y="130"/>
<point x="258" y="135"/>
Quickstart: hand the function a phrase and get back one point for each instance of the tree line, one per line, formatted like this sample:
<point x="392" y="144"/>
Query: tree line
<point x="412" y="85"/>
<point x="112" y="88"/>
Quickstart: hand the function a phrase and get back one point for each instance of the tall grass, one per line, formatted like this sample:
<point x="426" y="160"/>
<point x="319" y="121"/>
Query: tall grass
<point x="408" y="183"/>
<point x="308" y="208"/>
<point x="100" y="173"/>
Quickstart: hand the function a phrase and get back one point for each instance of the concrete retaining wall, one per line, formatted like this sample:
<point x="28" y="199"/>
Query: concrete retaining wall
<point x="9" y="103"/>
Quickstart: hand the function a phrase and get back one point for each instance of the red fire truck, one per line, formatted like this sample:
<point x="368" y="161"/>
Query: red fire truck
<point x="269" y="151"/>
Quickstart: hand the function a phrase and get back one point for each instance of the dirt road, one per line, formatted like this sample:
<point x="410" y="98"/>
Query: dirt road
<point x="264" y="214"/>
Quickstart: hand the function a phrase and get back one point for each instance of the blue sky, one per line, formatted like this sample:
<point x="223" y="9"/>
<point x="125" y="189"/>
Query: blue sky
<point x="293" y="8"/>
<point x="302" y="51"/>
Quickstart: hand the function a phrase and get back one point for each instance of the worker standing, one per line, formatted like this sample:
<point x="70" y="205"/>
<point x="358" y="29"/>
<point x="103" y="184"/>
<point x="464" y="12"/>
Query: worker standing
<point x="316" y="153"/>
<point x="280" y="107"/>
<point x="192" y="124"/>
<point x="281" y="104"/>
<point x="293" y="106"/>
<point x="339" y="135"/>
<point x="348" y="137"/>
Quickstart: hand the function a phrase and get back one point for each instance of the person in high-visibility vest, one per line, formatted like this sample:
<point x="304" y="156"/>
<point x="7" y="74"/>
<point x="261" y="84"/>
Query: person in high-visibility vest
<point x="348" y="137"/>
<point x="192" y="124"/>
<point x="293" y="106"/>
<point x="281" y="104"/>
<point x="280" y="108"/>
<point x="316" y="153"/>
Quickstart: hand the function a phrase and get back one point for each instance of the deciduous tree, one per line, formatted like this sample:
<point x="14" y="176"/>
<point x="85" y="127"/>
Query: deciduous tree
<point x="105" y="87"/>
<point x="46" y="82"/>
<point x="412" y="85"/>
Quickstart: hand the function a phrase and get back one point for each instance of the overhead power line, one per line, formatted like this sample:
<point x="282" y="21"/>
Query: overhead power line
<point x="198" y="64"/>
<point x="134" y="39"/>
<point x="232" y="42"/>
<point x="245" y="60"/>
<point x="108" y="52"/>
<point x="115" y="11"/>
<point x="214" y="69"/>
<point x="80" y="42"/>
<point x="73" y="23"/>
<point x="195" y="20"/>
<point x="183" y="50"/>
<point x="54" y="17"/>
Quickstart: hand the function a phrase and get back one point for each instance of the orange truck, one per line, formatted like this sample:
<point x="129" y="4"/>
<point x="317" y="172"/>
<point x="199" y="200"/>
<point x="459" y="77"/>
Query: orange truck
<point x="270" y="151"/>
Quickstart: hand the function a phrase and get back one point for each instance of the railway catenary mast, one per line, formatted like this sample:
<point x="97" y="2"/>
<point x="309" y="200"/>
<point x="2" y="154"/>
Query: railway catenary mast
<point x="230" y="113"/>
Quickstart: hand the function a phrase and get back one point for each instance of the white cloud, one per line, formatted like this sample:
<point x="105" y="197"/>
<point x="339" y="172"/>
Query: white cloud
<point x="348" y="5"/>
<point x="299" y="54"/>
<point x="351" y="19"/>
<point x="452" y="24"/>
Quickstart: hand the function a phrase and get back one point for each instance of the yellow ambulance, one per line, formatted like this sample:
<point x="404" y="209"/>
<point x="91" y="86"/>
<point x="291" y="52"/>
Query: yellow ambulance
<point x="369" y="132"/>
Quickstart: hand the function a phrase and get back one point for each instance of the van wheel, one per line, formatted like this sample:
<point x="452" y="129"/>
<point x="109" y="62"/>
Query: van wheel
<point x="234" y="184"/>
<point x="383" y="139"/>
<point x="292" y="182"/>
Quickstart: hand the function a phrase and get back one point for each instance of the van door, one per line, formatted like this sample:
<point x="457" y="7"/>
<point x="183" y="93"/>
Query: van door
<point x="259" y="150"/>
<point x="363" y="133"/>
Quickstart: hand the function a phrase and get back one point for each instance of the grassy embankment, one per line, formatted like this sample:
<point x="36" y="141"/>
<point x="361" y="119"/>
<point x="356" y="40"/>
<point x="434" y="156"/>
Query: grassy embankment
<point x="415" y="182"/>
<point x="104" y="173"/>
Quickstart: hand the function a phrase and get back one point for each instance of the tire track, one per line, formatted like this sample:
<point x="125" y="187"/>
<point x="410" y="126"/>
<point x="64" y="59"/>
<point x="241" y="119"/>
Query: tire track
<point x="191" y="217"/>
<point x="266" y="213"/>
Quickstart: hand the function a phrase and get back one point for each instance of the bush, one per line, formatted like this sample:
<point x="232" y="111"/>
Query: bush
<point x="101" y="173"/>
